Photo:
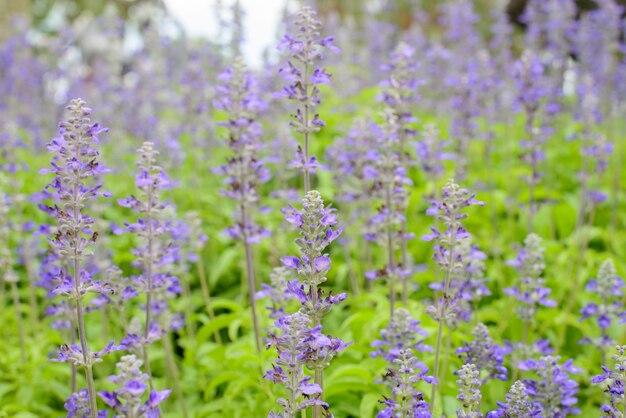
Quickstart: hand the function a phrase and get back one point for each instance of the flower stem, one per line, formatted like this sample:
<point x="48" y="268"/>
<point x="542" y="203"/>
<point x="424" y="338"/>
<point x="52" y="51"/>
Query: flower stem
<point x="251" y="291"/>
<point x="307" y="178"/>
<point x="148" y="266"/>
<point x="79" y="307"/>
<point x="442" y="310"/>
<point x="206" y="295"/>
<point x="18" y="319"/>
<point x="171" y="365"/>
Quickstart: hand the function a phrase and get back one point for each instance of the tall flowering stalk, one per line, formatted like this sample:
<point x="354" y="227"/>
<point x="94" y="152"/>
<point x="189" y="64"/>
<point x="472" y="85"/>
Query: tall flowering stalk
<point x="132" y="385"/>
<point x="554" y="391"/>
<point x="408" y="402"/>
<point x="316" y="223"/>
<point x="613" y="382"/>
<point x="468" y="283"/>
<point x="303" y="78"/>
<point x="398" y="344"/>
<point x="530" y="291"/>
<point x="450" y="212"/>
<point x="469" y="384"/>
<point x="299" y="345"/>
<point x="244" y="170"/>
<point x="485" y="355"/>
<point x="399" y="94"/>
<point x="153" y="255"/>
<point x="386" y="227"/>
<point x="608" y="288"/>
<point x="74" y="164"/>
<point x="517" y="404"/>
<point x="350" y="160"/>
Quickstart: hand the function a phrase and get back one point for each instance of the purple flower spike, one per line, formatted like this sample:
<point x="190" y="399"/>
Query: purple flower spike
<point x="303" y="76"/>
<point x="132" y="384"/>
<point x="530" y="291"/>
<point x="555" y="392"/>
<point x="298" y="345"/>
<point x="608" y="288"/>
<point x="485" y="355"/>
<point x="613" y="381"/>
<point x="245" y="170"/>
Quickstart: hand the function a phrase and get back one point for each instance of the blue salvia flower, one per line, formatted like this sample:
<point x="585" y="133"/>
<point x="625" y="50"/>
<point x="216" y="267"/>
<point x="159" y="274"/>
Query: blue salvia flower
<point x="316" y="223"/>
<point x="447" y="252"/>
<point x="517" y="405"/>
<point x="469" y="384"/>
<point x="351" y="165"/>
<point x="400" y="93"/>
<point x="132" y="385"/>
<point x="407" y="402"/>
<point x="450" y="212"/>
<point x="613" y="383"/>
<point x="78" y="406"/>
<point x="299" y="345"/>
<point x="530" y="291"/>
<point x="485" y="355"/>
<point x="468" y="282"/>
<point x="154" y="255"/>
<point x="74" y="164"/>
<point x="608" y="288"/>
<point x="303" y="76"/>
<point x="555" y="391"/>
<point x="387" y="226"/>
<point x="245" y="171"/>
<point x="402" y="333"/>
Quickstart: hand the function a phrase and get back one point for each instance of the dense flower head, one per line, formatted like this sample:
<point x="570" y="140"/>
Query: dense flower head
<point x="470" y="396"/>
<point x="555" y="391"/>
<point x="467" y="282"/>
<point x="156" y="251"/>
<point x="407" y="402"/>
<point x="530" y="291"/>
<point x="447" y="253"/>
<point x="517" y="405"/>
<point x="400" y="92"/>
<point x="390" y="182"/>
<point x="74" y="164"/>
<point x="77" y="406"/>
<point x="303" y="76"/>
<point x="316" y="223"/>
<point x="245" y="170"/>
<point x="613" y="383"/>
<point x="608" y="288"/>
<point x="299" y="345"/>
<point x="132" y="385"/>
<point x="402" y="333"/>
<point x="484" y="354"/>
